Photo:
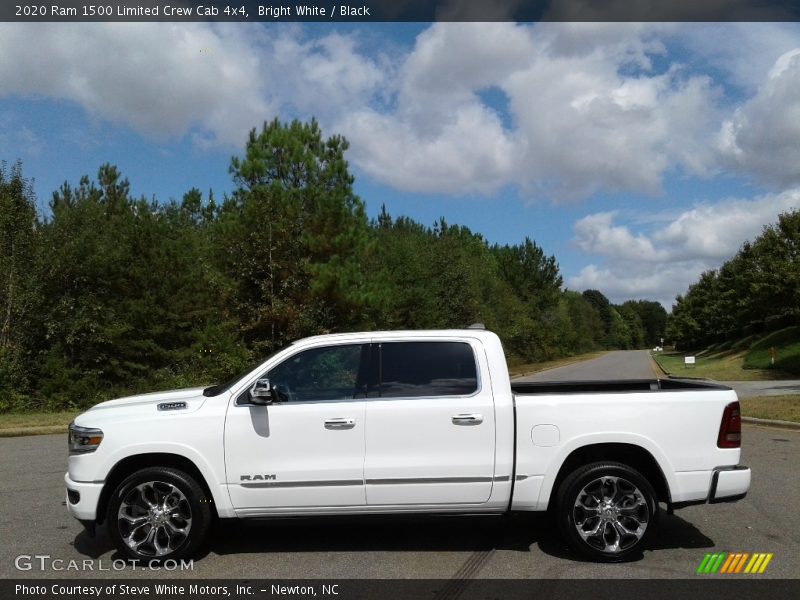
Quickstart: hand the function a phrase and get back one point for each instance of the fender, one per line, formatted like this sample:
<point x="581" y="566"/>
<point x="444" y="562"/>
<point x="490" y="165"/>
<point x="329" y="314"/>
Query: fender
<point x="217" y="488"/>
<point x="590" y="439"/>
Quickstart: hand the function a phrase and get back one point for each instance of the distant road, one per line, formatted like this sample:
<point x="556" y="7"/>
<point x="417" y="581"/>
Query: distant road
<point x="637" y="364"/>
<point x="747" y="389"/>
<point x="621" y="364"/>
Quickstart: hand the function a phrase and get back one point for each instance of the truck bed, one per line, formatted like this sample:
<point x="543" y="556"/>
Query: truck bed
<point x="602" y="387"/>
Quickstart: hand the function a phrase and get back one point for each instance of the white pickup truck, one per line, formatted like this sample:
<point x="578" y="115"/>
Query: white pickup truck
<point x="402" y="422"/>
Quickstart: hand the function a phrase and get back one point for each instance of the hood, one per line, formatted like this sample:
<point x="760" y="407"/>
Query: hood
<point x="143" y="405"/>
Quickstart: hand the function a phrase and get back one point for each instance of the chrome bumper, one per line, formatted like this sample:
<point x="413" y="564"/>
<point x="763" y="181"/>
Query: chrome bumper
<point x="729" y="484"/>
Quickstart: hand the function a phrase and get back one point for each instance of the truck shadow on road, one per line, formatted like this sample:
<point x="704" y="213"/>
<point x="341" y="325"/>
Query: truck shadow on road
<point x="673" y="532"/>
<point x="398" y="534"/>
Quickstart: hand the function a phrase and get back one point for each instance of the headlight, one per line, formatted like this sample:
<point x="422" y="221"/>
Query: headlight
<point x="83" y="439"/>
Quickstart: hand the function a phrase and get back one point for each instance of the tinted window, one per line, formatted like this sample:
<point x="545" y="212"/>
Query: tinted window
<point x="414" y="369"/>
<point x="330" y="373"/>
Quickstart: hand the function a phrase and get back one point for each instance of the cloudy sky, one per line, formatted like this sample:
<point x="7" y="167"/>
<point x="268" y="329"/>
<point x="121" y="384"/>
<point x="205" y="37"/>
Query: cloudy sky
<point x="639" y="154"/>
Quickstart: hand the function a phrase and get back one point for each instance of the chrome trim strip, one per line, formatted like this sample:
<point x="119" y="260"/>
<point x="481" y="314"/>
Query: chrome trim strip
<point x="294" y="484"/>
<point x="391" y="481"/>
<point x="414" y="480"/>
<point x="418" y="509"/>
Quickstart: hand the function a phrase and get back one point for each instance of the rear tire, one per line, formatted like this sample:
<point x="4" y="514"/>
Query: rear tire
<point x="607" y="511"/>
<point x="157" y="514"/>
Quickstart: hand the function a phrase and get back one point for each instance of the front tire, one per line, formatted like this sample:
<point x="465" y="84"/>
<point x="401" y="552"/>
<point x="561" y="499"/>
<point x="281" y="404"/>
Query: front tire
<point x="607" y="511"/>
<point x="158" y="513"/>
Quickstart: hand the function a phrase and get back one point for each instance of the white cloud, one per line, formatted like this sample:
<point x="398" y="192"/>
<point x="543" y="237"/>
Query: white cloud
<point x="592" y="107"/>
<point x="588" y="107"/>
<point x="324" y="77"/>
<point x="469" y="153"/>
<point x="588" y="127"/>
<point x="716" y="231"/>
<point x="578" y="124"/>
<point x="619" y="284"/>
<point x="596" y="234"/>
<point x="762" y="135"/>
<point x="665" y="262"/>
<point x="440" y="136"/>
<point x="744" y="52"/>
<point x="161" y="79"/>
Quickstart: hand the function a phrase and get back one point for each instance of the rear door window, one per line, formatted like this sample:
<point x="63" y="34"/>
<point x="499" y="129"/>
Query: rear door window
<point x="424" y="369"/>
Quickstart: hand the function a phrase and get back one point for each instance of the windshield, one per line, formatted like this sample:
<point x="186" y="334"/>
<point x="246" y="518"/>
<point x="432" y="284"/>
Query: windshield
<point x="216" y="390"/>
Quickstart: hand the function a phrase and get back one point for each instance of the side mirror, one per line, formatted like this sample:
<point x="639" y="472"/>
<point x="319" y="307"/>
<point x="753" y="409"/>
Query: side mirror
<point x="262" y="392"/>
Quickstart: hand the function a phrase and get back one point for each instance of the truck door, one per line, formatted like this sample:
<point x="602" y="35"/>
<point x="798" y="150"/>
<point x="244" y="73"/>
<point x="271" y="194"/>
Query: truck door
<point x="430" y="433"/>
<point x="307" y="448"/>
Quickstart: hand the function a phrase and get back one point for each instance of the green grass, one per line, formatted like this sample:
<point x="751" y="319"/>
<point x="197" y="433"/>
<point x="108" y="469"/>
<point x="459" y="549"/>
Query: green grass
<point x="35" y="423"/>
<point x="787" y="351"/>
<point x="720" y="366"/>
<point x="741" y="360"/>
<point x="527" y="369"/>
<point x="782" y="408"/>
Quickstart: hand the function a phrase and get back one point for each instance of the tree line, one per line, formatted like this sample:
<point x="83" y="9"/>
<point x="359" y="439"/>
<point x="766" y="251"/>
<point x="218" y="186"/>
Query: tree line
<point x="756" y="291"/>
<point x="108" y="294"/>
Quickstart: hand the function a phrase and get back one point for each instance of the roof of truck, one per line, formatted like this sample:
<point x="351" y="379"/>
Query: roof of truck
<point x="470" y="331"/>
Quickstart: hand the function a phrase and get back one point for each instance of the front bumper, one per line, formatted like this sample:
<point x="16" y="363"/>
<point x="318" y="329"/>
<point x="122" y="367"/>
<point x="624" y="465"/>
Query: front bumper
<point x="82" y="498"/>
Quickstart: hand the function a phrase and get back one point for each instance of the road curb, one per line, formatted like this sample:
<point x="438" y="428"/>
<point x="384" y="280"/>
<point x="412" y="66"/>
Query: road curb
<point x="671" y="376"/>
<point x="772" y="423"/>
<point x="657" y="369"/>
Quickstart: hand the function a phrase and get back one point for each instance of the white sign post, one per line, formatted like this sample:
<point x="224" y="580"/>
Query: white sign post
<point x="688" y="360"/>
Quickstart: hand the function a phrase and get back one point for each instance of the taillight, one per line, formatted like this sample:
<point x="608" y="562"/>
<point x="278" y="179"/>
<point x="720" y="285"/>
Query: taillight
<point x="730" y="430"/>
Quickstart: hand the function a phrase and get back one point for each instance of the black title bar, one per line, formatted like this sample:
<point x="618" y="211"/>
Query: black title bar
<point x="705" y="588"/>
<point x="403" y="10"/>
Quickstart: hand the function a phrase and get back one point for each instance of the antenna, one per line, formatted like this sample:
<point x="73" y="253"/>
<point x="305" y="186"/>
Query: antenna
<point x="477" y="326"/>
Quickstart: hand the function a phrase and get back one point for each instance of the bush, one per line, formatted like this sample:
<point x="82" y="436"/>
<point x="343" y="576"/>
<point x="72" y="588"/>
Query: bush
<point x="11" y="401"/>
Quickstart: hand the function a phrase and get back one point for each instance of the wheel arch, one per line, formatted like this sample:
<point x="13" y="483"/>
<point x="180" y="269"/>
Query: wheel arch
<point x="130" y="464"/>
<point x="632" y="455"/>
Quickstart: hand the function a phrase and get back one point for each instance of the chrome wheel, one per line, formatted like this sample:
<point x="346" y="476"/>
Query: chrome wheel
<point x="611" y="514"/>
<point x="154" y="518"/>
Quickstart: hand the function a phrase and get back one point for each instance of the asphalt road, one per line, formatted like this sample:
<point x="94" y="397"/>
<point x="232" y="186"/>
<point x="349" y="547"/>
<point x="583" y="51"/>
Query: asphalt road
<point x="35" y="522"/>
<point x="621" y="364"/>
<point x="637" y="364"/>
<point x="747" y="389"/>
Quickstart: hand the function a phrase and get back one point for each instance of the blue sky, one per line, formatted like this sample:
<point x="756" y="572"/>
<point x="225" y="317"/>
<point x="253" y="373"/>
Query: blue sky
<point x="639" y="154"/>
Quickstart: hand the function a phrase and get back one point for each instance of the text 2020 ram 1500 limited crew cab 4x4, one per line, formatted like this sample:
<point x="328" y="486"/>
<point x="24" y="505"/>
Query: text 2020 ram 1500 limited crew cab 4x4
<point x="402" y="422"/>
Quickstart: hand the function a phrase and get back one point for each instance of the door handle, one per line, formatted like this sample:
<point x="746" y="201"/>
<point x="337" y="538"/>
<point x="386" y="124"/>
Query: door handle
<point x="470" y="419"/>
<point x="340" y="423"/>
